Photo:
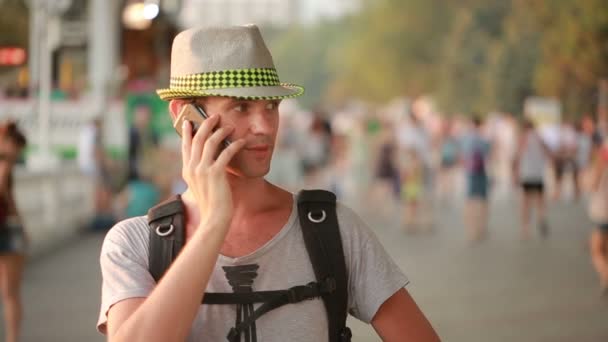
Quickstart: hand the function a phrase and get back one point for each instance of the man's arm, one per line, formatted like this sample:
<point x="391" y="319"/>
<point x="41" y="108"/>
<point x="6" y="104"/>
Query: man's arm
<point x="167" y="314"/>
<point x="400" y="319"/>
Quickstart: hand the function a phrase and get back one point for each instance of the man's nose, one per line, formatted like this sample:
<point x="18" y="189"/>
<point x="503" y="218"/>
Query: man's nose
<point x="261" y="122"/>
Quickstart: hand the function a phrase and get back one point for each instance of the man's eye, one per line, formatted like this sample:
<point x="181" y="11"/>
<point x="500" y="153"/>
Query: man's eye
<point x="271" y="105"/>
<point x="240" y="108"/>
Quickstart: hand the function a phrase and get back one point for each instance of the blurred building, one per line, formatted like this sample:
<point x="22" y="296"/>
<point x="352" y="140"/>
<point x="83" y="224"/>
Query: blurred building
<point x="312" y="11"/>
<point x="277" y="13"/>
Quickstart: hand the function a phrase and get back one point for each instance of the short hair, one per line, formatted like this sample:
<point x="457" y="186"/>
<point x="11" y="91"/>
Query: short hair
<point x="12" y="132"/>
<point x="477" y="121"/>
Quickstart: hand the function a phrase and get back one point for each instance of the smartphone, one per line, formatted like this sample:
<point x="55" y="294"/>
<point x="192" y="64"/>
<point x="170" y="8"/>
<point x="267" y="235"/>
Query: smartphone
<point x="196" y="115"/>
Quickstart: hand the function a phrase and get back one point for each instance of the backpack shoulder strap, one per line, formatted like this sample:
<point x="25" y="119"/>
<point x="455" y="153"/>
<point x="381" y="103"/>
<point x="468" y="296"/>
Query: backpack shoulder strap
<point x="167" y="234"/>
<point x="319" y="221"/>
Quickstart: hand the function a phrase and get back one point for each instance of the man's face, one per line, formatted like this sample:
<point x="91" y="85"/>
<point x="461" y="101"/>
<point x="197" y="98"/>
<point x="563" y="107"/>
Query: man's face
<point x="257" y="121"/>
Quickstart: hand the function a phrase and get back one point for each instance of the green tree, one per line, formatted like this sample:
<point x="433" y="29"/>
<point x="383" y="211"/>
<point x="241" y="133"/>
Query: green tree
<point x="462" y="85"/>
<point x="13" y="26"/>
<point x="574" y="53"/>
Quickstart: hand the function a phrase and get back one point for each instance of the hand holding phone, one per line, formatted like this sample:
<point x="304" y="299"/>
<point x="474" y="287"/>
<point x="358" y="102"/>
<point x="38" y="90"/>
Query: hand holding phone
<point x="196" y="115"/>
<point x="204" y="168"/>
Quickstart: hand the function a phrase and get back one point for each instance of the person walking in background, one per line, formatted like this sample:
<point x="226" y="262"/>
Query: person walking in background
<point x="387" y="185"/>
<point x="412" y="134"/>
<point x="93" y="162"/>
<point x="140" y="194"/>
<point x="477" y="151"/>
<point x="142" y="139"/>
<point x="565" y="159"/>
<point x="584" y="152"/>
<point x="529" y="171"/>
<point x="448" y="163"/>
<point x="12" y="234"/>
<point x="598" y="212"/>
<point x="412" y="186"/>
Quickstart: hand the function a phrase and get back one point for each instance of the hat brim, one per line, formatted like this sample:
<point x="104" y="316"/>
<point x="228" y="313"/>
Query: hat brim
<point x="282" y="91"/>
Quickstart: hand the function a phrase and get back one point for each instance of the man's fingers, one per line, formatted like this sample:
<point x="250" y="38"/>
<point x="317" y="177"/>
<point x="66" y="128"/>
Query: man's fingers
<point x="200" y="138"/>
<point x="229" y="152"/>
<point x="212" y="145"/>
<point x="186" y="141"/>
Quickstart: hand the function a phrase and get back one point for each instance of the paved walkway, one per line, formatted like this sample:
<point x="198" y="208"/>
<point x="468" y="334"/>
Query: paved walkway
<point x="501" y="290"/>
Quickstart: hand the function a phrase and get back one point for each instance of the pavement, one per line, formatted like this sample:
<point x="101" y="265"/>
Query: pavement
<point x="502" y="289"/>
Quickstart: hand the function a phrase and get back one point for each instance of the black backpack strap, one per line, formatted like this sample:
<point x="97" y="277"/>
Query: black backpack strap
<point x="319" y="221"/>
<point x="167" y="234"/>
<point x="270" y="300"/>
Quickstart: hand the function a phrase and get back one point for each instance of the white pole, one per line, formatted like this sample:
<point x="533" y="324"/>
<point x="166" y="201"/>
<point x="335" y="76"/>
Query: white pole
<point x="47" y="38"/>
<point x="44" y="102"/>
<point x="34" y="52"/>
<point x="100" y="53"/>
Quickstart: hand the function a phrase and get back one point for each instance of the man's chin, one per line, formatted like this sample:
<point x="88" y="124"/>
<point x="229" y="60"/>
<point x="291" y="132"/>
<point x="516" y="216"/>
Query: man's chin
<point x="248" y="172"/>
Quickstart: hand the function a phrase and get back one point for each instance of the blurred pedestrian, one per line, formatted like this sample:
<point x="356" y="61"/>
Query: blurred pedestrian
<point x="13" y="237"/>
<point x="583" y="153"/>
<point x="412" y="134"/>
<point x="529" y="173"/>
<point x="142" y="139"/>
<point x="141" y="192"/>
<point x="598" y="212"/>
<point x="476" y="153"/>
<point x="316" y="148"/>
<point x="93" y="162"/>
<point x="448" y="162"/>
<point x="387" y="184"/>
<point x="565" y="159"/>
<point x="412" y="187"/>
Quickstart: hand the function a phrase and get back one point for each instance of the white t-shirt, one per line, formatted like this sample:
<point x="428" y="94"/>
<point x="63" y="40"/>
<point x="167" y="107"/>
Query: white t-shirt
<point x="532" y="163"/>
<point x="87" y="141"/>
<point x="283" y="262"/>
<point x="415" y="137"/>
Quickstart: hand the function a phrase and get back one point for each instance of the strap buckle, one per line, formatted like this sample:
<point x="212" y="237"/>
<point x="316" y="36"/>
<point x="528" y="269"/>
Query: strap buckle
<point x="296" y="294"/>
<point x="299" y="293"/>
<point x="328" y="285"/>
<point x="317" y="219"/>
<point x="233" y="335"/>
<point x="164" y="230"/>
<point x="345" y="335"/>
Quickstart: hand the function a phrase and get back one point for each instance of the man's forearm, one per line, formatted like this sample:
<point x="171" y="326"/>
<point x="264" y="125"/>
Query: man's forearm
<point x="167" y="314"/>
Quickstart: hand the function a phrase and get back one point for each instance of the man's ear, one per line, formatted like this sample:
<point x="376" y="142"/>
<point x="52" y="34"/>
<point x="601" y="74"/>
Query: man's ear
<point x="174" y="108"/>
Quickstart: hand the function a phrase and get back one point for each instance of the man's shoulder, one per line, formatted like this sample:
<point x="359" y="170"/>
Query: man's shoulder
<point x="352" y="226"/>
<point x="132" y="233"/>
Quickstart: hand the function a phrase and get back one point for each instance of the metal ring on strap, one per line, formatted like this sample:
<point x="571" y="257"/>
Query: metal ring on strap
<point x="317" y="220"/>
<point x="164" y="233"/>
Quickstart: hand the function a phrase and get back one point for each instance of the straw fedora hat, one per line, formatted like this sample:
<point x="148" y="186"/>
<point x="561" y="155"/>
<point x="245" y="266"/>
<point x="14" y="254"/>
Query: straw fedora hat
<point x="224" y="61"/>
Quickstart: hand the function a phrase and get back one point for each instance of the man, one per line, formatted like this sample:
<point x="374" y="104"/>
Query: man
<point x="477" y="152"/>
<point x="141" y="140"/>
<point x="234" y="218"/>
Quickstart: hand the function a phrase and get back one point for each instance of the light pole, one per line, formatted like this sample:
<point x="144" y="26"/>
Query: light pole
<point x="45" y="36"/>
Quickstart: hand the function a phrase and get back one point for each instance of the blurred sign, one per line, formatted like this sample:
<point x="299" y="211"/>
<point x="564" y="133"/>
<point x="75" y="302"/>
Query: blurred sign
<point x="542" y="111"/>
<point x="12" y="56"/>
<point x="546" y="114"/>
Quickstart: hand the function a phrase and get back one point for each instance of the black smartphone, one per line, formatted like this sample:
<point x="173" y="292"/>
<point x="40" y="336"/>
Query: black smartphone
<point x="196" y="115"/>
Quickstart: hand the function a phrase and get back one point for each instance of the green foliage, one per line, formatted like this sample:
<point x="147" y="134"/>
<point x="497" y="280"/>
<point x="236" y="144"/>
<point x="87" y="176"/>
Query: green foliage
<point x="471" y="55"/>
<point x="13" y="23"/>
<point x="13" y="27"/>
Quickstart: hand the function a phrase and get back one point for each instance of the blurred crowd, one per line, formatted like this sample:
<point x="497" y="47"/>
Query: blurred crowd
<point x="418" y="163"/>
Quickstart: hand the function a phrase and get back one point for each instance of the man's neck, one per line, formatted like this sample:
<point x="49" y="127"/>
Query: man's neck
<point x="248" y="197"/>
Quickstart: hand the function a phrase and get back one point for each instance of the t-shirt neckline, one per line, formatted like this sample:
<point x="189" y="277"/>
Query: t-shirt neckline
<point x="268" y="245"/>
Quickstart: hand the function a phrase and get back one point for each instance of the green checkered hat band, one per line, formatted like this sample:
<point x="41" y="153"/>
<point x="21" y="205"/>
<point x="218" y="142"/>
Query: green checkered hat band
<point x="237" y="78"/>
